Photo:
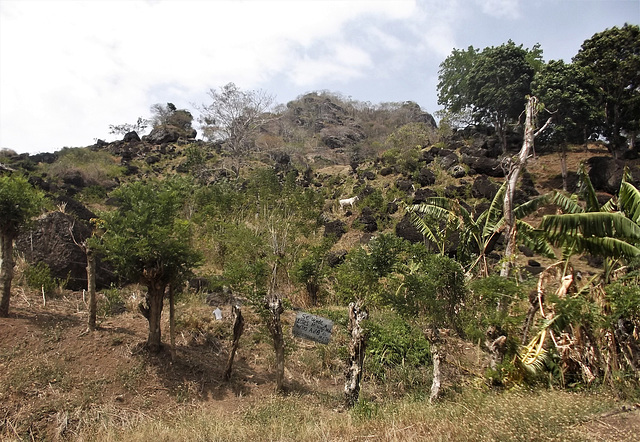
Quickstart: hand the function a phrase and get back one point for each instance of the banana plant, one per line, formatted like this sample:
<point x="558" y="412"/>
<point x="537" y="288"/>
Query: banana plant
<point x="476" y="235"/>
<point x="611" y="231"/>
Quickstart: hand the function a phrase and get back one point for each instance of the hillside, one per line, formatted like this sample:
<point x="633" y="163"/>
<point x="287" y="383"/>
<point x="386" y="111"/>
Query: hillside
<point x="58" y="382"/>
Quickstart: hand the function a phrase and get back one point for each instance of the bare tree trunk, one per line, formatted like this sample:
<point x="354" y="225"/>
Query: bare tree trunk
<point x="436" y="348"/>
<point x="357" y="346"/>
<point x="516" y="166"/>
<point x="91" y="288"/>
<point x="563" y="167"/>
<point x="172" y="322"/>
<point x="238" y="328"/>
<point x="274" y="305"/>
<point x="6" y="272"/>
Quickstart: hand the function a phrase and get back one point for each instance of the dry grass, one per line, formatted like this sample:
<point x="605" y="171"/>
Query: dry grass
<point x="57" y="383"/>
<point x="478" y="416"/>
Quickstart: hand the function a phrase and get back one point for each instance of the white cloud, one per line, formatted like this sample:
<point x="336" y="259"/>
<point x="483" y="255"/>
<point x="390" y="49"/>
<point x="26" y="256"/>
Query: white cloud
<point x="72" y="68"/>
<point x="509" y="9"/>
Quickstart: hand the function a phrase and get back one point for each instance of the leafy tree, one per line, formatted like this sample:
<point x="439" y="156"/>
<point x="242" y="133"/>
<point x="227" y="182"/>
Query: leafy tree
<point x="568" y="94"/>
<point x="234" y="116"/>
<point x="19" y="202"/>
<point x="492" y="83"/>
<point x="453" y="85"/>
<point x="613" y="59"/>
<point x="147" y="241"/>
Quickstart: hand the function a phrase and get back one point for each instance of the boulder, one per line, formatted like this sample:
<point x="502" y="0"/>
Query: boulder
<point x="457" y="171"/>
<point x="483" y="187"/>
<point x="163" y="134"/>
<point x="448" y="161"/>
<point x="131" y="137"/>
<point x="335" y="228"/>
<point x="484" y="165"/>
<point x="606" y="173"/>
<point x="52" y="240"/>
<point x="368" y="220"/>
<point x="426" y="177"/>
<point x="422" y="194"/>
<point x="336" y="257"/>
<point x="405" y="229"/>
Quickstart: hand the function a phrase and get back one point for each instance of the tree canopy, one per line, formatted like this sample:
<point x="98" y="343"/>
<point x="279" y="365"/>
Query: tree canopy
<point x="19" y="202"/>
<point x="492" y="84"/>
<point x="612" y="58"/>
<point x="148" y="242"/>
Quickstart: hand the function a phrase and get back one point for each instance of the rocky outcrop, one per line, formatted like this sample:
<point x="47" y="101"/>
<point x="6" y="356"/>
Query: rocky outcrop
<point x="52" y="240"/>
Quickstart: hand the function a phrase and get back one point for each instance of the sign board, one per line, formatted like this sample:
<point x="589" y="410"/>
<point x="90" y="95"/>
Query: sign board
<point x="312" y="327"/>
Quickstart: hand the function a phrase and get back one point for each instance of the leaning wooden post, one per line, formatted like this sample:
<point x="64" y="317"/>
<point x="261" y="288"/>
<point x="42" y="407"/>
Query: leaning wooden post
<point x="274" y="305"/>
<point x="238" y="328"/>
<point x="353" y="373"/>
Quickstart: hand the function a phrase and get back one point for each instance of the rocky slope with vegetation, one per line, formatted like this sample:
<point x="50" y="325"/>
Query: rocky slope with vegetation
<point x="173" y="228"/>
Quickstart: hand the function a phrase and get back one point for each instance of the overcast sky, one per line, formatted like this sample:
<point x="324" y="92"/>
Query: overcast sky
<point x="69" y="69"/>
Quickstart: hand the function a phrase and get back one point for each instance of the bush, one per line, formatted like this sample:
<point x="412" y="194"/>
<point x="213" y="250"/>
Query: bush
<point x="489" y="304"/>
<point x="39" y="277"/>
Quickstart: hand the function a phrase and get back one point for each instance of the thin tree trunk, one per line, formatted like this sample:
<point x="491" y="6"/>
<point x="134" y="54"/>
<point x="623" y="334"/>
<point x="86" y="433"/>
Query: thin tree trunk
<point x="238" y="328"/>
<point x="563" y="167"/>
<point x="91" y="288"/>
<point x="6" y="272"/>
<point x="274" y="305"/>
<point x="172" y="322"/>
<point x="357" y="346"/>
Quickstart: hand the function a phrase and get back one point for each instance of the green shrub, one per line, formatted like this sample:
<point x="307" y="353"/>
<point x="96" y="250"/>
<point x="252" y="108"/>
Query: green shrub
<point x="39" y="277"/>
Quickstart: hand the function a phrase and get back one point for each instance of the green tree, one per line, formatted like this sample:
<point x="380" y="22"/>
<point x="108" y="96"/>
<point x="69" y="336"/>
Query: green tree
<point x="492" y="84"/>
<point x="234" y="116"/>
<point x="148" y="242"/>
<point x="613" y="59"/>
<point x="19" y="202"/>
<point x="568" y="94"/>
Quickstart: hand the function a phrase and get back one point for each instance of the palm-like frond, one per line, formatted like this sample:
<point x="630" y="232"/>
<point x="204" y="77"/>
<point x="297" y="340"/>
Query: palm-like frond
<point x="587" y="190"/>
<point x="494" y="219"/>
<point x="534" y="239"/>
<point x="566" y="203"/>
<point x="533" y="355"/>
<point x="592" y="224"/>
<point x="532" y="205"/>
<point x="629" y="201"/>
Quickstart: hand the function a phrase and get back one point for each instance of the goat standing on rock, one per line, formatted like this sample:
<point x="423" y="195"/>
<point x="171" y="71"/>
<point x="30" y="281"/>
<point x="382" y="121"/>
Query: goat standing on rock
<point x="348" y="202"/>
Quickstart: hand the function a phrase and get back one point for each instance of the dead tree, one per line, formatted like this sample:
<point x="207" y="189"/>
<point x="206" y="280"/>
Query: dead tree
<point x="91" y="277"/>
<point x="515" y="167"/>
<point x="355" y="362"/>
<point x="274" y="305"/>
<point x="238" y="328"/>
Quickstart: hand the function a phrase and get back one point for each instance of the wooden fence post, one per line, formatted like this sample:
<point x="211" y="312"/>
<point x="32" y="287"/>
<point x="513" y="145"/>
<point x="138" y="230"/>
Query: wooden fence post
<point x="355" y="362"/>
<point x="274" y="305"/>
<point x="238" y="328"/>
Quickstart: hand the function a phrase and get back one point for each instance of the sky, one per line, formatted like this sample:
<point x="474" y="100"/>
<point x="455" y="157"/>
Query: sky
<point x="69" y="69"/>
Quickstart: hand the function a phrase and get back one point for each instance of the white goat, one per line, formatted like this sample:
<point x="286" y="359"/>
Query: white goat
<point x="348" y="202"/>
